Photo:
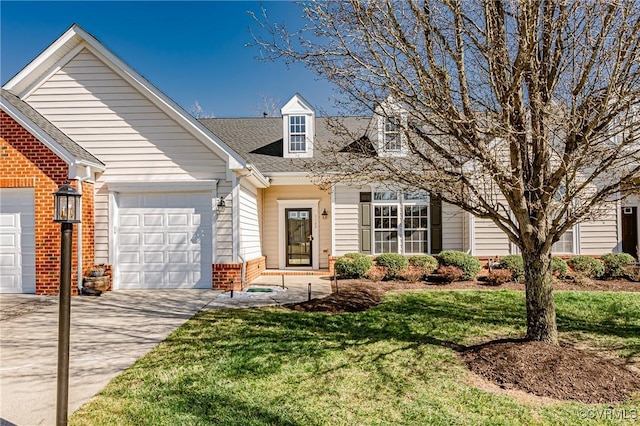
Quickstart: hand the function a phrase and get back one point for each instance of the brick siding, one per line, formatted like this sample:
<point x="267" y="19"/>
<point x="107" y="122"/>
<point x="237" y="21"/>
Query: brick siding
<point x="27" y="163"/>
<point x="254" y="268"/>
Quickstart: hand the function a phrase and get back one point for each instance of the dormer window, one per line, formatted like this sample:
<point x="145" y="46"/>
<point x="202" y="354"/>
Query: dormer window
<point x="297" y="128"/>
<point x="392" y="126"/>
<point x="297" y="133"/>
<point x="391" y="135"/>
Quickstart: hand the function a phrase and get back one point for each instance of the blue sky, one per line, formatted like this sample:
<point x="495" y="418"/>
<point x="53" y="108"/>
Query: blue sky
<point x="192" y="51"/>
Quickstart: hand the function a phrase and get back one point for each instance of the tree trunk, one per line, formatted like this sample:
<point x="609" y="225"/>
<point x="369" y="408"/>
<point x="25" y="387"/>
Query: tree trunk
<point x="541" y="309"/>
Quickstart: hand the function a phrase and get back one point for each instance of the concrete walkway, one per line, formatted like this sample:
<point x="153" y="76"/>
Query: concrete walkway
<point x="108" y="334"/>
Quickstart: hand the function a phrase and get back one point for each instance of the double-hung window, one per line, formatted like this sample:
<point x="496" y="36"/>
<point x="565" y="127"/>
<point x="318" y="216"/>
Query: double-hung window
<point x="297" y="133"/>
<point x="391" y="138"/>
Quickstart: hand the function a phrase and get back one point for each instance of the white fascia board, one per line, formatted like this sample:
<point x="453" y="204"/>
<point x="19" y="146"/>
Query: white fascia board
<point x="254" y="176"/>
<point x="295" y="178"/>
<point x="32" y="68"/>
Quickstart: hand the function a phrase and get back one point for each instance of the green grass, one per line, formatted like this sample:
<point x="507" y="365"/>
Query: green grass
<point x="391" y="365"/>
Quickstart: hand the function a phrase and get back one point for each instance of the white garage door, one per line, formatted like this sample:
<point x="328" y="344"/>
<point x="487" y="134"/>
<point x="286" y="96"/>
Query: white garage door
<point x="17" y="241"/>
<point x="164" y="240"/>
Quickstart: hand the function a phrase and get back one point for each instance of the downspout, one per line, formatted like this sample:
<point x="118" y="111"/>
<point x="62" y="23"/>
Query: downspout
<point x="81" y="179"/>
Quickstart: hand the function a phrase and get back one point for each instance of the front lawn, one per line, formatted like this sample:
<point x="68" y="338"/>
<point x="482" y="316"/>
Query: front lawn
<point x="390" y="365"/>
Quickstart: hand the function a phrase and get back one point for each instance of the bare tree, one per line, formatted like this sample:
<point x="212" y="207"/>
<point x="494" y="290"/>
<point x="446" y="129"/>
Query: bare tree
<point x="198" y="112"/>
<point x="268" y="106"/>
<point x="523" y="112"/>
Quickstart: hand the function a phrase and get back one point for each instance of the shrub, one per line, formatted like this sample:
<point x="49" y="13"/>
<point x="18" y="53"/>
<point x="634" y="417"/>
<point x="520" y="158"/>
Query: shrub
<point x="450" y="274"/>
<point x="581" y="279"/>
<point x="559" y="267"/>
<point x="414" y="273"/>
<point x="428" y="263"/>
<point x="353" y="265"/>
<point x="499" y="277"/>
<point x="394" y="263"/>
<point x="467" y="263"/>
<point x="615" y="264"/>
<point x="376" y="273"/>
<point x="633" y="273"/>
<point x="587" y="266"/>
<point x="514" y="264"/>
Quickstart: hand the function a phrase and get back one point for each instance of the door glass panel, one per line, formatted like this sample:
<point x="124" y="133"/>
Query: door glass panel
<point x="299" y="237"/>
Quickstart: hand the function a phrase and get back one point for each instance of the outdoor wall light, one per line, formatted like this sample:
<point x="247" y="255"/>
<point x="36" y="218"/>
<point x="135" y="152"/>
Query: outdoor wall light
<point x="66" y="212"/>
<point x="324" y="214"/>
<point x="221" y="205"/>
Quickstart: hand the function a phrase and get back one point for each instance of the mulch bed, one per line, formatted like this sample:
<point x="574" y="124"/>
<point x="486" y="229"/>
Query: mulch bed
<point x="542" y="369"/>
<point x="559" y="372"/>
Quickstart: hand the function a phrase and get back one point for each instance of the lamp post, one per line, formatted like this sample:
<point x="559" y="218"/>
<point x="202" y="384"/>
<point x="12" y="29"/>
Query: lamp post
<point x="66" y="209"/>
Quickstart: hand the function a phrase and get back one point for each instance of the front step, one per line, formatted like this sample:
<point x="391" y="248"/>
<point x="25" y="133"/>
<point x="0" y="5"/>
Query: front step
<point x="294" y="273"/>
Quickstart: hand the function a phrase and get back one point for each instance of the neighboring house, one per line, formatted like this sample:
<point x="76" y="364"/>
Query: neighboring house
<point x="35" y="159"/>
<point x="175" y="202"/>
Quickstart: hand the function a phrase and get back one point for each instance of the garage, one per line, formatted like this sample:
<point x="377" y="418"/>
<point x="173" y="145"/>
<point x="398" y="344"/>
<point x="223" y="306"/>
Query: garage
<point x="164" y="240"/>
<point x="17" y="241"/>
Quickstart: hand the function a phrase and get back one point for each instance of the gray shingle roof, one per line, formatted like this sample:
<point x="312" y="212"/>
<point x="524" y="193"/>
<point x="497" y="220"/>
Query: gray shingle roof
<point x="56" y="134"/>
<point x="259" y="140"/>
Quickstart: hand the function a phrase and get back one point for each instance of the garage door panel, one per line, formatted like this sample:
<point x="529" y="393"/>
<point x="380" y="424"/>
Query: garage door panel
<point x="178" y="257"/>
<point x="153" y="220"/>
<point x="178" y="238"/>
<point x="129" y="239"/>
<point x="178" y="219"/>
<point x="156" y="257"/>
<point x="155" y="238"/>
<point x="129" y="258"/>
<point x="17" y="240"/>
<point x="130" y="220"/>
<point x="172" y="240"/>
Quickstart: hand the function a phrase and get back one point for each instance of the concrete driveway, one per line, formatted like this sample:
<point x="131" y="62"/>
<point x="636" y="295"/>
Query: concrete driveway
<point x="108" y="334"/>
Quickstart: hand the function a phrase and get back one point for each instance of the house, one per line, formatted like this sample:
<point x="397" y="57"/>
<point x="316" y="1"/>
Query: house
<point x="173" y="202"/>
<point x="35" y="159"/>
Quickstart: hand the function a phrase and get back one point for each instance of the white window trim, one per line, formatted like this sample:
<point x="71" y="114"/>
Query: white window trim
<point x="400" y="202"/>
<point x="292" y="134"/>
<point x="382" y="150"/>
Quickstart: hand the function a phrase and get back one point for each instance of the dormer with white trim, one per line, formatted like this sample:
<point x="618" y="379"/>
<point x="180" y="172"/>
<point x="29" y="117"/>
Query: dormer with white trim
<point x="298" y="127"/>
<point x="392" y="127"/>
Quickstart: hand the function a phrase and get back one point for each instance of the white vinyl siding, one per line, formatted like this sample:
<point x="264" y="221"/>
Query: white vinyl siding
<point x="224" y="226"/>
<point x="452" y="227"/>
<point x="489" y="239"/>
<point x="346" y="210"/>
<point x="108" y="117"/>
<point x="601" y="235"/>
<point x="135" y="139"/>
<point x="250" y="247"/>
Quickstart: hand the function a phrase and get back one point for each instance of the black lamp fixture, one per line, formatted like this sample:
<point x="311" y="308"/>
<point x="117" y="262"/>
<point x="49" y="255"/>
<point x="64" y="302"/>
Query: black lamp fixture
<point x="66" y="205"/>
<point x="221" y="205"/>
<point x="324" y="214"/>
<point x="66" y="212"/>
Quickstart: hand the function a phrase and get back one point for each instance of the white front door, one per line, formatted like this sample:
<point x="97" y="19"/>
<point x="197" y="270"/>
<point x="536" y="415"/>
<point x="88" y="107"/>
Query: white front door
<point x="17" y="241"/>
<point x="164" y="240"/>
